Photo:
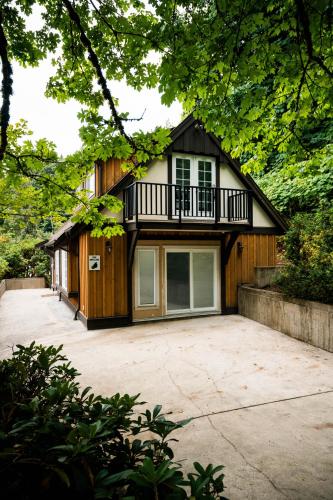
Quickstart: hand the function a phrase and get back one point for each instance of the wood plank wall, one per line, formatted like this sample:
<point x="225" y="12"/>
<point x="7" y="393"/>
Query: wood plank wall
<point x="73" y="275"/>
<point x="111" y="173"/>
<point x="104" y="292"/>
<point x="258" y="250"/>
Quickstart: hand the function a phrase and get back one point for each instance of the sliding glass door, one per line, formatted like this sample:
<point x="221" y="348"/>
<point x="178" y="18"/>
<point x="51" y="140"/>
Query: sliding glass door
<point x="191" y="279"/>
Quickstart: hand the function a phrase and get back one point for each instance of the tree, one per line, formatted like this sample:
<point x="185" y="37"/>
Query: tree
<point x="257" y="73"/>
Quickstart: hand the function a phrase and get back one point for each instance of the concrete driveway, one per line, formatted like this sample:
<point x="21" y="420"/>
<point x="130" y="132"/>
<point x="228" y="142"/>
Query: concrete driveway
<point x="261" y="402"/>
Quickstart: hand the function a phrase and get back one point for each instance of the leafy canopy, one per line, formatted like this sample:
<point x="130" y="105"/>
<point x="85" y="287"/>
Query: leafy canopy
<point x="257" y="73"/>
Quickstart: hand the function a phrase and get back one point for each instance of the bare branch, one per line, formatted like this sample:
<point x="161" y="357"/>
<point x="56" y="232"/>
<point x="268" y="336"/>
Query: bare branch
<point x="6" y="88"/>
<point x="92" y="56"/>
<point x="305" y="22"/>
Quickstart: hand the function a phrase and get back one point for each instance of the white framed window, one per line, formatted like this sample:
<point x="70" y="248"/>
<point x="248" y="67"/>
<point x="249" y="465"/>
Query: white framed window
<point x="196" y="175"/>
<point x="189" y="170"/>
<point x="64" y="269"/>
<point x="147" y="277"/>
<point x="191" y="277"/>
<point x="90" y="183"/>
<point x="56" y="265"/>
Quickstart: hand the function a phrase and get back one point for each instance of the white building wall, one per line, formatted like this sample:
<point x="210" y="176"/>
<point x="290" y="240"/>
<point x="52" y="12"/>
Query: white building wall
<point x="157" y="172"/>
<point x="228" y="179"/>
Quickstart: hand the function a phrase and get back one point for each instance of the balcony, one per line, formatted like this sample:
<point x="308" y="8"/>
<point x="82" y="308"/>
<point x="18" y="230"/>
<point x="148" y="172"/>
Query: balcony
<point x="155" y="202"/>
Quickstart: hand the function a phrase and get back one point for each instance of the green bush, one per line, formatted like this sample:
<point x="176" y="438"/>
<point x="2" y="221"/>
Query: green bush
<point x="58" y="442"/>
<point x="3" y="268"/>
<point x="309" y="251"/>
<point x="23" y="259"/>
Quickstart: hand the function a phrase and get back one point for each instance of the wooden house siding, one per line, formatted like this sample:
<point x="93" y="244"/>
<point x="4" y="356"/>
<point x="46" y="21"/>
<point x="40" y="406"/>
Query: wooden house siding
<point x="256" y="250"/>
<point x="108" y="174"/>
<point x="103" y="293"/>
<point x="73" y="267"/>
<point x="159" y="311"/>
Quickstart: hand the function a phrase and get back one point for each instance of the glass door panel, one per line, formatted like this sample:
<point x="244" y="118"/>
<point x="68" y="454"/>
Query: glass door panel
<point x="205" y="195"/>
<point x="146" y="277"/>
<point x="183" y="180"/>
<point x="178" y="281"/>
<point x="203" y="278"/>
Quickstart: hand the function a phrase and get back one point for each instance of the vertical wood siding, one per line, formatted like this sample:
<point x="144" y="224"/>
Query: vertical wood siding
<point x="83" y="263"/>
<point x="111" y="173"/>
<point x="104" y="292"/>
<point x="258" y="250"/>
<point x="73" y="276"/>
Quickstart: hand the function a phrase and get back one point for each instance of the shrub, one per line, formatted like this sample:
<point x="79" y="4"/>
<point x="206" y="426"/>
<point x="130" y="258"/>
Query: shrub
<point x="23" y="259"/>
<point x="60" y="442"/>
<point x="309" y="250"/>
<point x="3" y="267"/>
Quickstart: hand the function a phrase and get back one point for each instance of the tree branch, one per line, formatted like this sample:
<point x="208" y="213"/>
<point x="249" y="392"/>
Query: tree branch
<point x="305" y="22"/>
<point x="92" y="56"/>
<point x="6" y="89"/>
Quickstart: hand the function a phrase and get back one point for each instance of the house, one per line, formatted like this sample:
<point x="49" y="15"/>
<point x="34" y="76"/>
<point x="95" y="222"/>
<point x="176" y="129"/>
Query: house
<point x="195" y="228"/>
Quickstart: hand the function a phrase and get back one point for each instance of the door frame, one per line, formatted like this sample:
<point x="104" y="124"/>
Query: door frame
<point x="194" y="179"/>
<point x="198" y="249"/>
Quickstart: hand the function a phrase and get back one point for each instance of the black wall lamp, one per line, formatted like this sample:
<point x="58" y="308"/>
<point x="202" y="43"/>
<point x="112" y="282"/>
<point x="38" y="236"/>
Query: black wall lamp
<point x="240" y="247"/>
<point x="108" y="246"/>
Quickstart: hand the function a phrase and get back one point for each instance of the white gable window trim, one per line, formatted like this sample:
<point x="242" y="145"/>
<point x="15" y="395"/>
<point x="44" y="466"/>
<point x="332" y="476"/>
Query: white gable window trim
<point x="195" y="167"/>
<point x="192" y="172"/>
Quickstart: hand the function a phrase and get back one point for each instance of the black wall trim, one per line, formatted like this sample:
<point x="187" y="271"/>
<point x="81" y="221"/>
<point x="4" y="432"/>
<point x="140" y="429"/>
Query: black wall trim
<point x="185" y="226"/>
<point x="110" y="322"/>
<point x="132" y="239"/>
<point x="230" y="310"/>
<point x="223" y="275"/>
<point x="264" y="230"/>
<point x="189" y="237"/>
<point x="229" y="247"/>
<point x="169" y="190"/>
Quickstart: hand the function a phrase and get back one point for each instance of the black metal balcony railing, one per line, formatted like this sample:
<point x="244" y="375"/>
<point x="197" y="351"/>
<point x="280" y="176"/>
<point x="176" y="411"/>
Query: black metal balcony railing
<point x="156" y="200"/>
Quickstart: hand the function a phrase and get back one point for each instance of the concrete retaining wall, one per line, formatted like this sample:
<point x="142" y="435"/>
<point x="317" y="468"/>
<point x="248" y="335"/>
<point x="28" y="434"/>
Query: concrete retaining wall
<point x="2" y="287"/>
<point x="304" y="320"/>
<point x="265" y="275"/>
<point x="21" y="283"/>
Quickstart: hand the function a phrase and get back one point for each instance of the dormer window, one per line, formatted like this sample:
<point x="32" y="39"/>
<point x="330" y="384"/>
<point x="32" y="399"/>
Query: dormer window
<point x="196" y="175"/>
<point x="188" y="170"/>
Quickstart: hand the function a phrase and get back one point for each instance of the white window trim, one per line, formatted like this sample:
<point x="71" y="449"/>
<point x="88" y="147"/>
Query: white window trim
<point x="64" y="275"/>
<point x="194" y="177"/>
<point x="91" y="179"/>
<point x="154" y="305"/>
<point x="194" y="166"/>
<point x="57" y="267"/>
<point x="192" y="250"/>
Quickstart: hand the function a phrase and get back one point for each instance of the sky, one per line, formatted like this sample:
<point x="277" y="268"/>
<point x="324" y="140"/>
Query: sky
<point x="58" y="122"/>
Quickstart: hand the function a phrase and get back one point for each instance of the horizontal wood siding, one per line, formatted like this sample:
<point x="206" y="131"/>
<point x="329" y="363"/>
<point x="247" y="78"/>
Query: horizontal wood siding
<point x="104" y="292"/>
<point x="258" y="250"/>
